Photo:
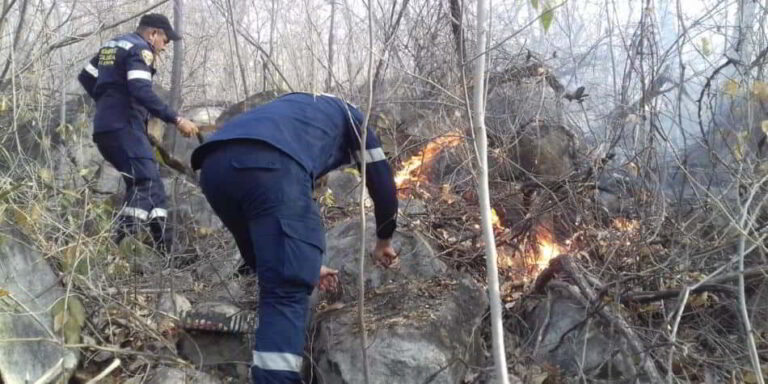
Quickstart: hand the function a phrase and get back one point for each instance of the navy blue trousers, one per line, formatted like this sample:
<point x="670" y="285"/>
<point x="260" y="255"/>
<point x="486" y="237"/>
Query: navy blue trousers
<point x="129" y="151"/>
<point x="264" y="198"/>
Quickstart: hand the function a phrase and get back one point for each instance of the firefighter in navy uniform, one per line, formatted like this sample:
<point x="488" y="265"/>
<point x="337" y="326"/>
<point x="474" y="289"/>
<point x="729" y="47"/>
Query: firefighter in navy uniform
<point x="257" y="172"/>
<point x="119" y="79"/>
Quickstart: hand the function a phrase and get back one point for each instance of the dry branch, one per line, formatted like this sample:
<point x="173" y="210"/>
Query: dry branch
<point x="716" y="285"/>
<point x="564" y="264"/>
<point x="171" y="160"/>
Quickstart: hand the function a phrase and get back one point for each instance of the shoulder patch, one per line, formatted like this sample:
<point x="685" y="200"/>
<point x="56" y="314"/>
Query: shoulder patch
<point x="148" y="57"/>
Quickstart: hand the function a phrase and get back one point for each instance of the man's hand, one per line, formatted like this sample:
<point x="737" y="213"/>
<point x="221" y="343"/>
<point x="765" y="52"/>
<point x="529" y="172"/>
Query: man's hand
<point x="186" y="127"/>
<point x="384" y="255"/>
<point x="329" y="279"/>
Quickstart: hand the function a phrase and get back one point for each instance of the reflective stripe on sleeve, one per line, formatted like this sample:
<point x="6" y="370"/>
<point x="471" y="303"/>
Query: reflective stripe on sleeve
<point x="372" y="155"/>
<point x="139" y="74"/>
<point x="92" y="70"/>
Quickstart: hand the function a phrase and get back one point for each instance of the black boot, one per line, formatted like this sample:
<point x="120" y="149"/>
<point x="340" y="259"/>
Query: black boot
<point x="162" y="237"/>
<point x="126" y="225"/>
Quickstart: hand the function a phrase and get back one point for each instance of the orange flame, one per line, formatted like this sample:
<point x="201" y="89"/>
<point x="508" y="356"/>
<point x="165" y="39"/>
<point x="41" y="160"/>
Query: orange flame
<point x="533" y="257"/>
<point x="547" y="249"/>
<point x="412" y="172"/>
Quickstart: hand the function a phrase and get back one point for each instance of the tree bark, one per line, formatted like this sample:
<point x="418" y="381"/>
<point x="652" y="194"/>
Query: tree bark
<point x="363" y="170"/>
<point x="243" y="77"/>
<point x="481" y="145"/>
<point x="16" y="37"/>
<point x="457" y="27"/>
<point x="331" y="43"/>
<point x="170" y="135"/>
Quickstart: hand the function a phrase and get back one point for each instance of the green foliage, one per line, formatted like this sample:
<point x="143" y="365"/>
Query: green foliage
<point x="68" y="318"/>
<point x="547" y="15"/>
<point x="5" y="193"/>
<point x="546" y="19"/>
<point x="706" y="48"/>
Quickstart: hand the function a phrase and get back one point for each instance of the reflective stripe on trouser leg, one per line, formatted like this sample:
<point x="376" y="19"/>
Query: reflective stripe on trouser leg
<point x="279" y="340"/>
<point x="288" y="264"/>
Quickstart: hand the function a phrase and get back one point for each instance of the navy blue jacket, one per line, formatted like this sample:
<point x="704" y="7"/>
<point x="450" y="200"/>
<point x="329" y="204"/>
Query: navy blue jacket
<point x="321" y="132"/>
<point x="119" y="78"/>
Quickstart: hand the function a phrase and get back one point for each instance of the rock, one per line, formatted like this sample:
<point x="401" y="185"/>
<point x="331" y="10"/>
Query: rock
<point x="108" y="179"/>
<point x="173" y="304"/>
<point x="419" y="331"/>
<point x="189" y="204"/>
<point x="168" y="375"/>
<point x="521" y="97"/>
<point x="204" y="115"/>
<point x="345" y="188"/>
<point x="228" y="353"/>
<point x="28" y="290"/>
<point x="545" y="151"/>
<point x="219" y="269"/>
<point x="617" y="191"/>
<point x="413" y="207"/>
<point x="565" y="333"/>
<point x="245" y="105"/>
<point x="417" y="259"/>
<point x="74" y="163"/>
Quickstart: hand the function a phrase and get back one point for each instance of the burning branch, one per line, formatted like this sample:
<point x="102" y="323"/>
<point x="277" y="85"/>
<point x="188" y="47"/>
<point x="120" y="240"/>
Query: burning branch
<point x="414" y="170"/>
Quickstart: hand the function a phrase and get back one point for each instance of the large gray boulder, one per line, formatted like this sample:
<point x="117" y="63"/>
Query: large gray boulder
<point x="28" y="290"/>
<point x="417" y="258"/>
<point x="564" y="334"/>
<point x="344" y="187"/>
<point x="79" y="162"/>
<point x="189" y="206"/>
<point x="418" y="332"/>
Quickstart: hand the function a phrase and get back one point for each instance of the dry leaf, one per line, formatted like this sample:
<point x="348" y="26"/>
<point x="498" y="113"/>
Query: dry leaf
<point x="4" y="292"/>
<point x="204" y="231"/>
<point x="732" y="88"/>
<point x="705" y="299"/>
<point x="751" y="378"/>
<point x="706" y="49"/>
<point x="760" y="91"/>
<point x="539" y="378"/>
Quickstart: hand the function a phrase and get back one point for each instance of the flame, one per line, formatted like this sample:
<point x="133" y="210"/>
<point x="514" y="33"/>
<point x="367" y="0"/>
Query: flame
<point x="624" y="225"/>
<point x="526" y="262"/>
<point x="547" y="249"/>
<point x="411" y="172"/>
<point x="495" y="220"/>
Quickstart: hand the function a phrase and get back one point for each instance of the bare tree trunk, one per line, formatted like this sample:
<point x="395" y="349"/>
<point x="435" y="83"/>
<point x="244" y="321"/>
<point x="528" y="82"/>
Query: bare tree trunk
<point x="457" y="27"/>
<point x="481" y="144"/>
<point x="363" y="170"/>
<point x="265" y="67"/>
<point x="177" y="72"/>
<point x="16" y="36"/>
<point x="742" y="49"/>
<point x="243" y="77"/>
<point x="331" y="42"/>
